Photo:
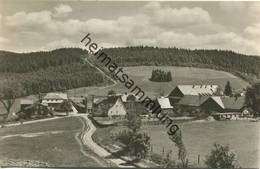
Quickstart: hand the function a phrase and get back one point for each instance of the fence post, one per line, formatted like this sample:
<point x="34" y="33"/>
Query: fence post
<point x="163" y="151"/>
<point x="198" y="159"/>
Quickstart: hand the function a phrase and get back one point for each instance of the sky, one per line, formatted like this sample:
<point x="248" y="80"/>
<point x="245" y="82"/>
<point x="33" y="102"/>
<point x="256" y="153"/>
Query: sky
<point x="29" y="25"/>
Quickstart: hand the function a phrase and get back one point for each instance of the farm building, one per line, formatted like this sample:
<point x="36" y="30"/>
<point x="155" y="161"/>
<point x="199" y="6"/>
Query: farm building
<point x="54" y="99"/>
<point x="165" y="105"/>
<point x="25" y="103"/>
<point x="194" y="90"/>
<point x="35" y="110"/>
<point x="224" y="106"/>
<point x="191" y="101"/>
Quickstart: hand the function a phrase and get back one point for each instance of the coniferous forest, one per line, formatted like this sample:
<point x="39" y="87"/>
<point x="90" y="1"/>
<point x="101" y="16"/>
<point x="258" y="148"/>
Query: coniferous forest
<point x="159" y="75"/>
<point x="57" y="70"/>
<point x="65" y="68"/>
<point x="244" y="66"/>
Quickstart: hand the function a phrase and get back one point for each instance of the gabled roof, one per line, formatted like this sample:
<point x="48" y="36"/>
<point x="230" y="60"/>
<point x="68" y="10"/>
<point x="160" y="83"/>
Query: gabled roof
<point x="229" y="102"/>
<point x="164" y="103"/>
<point x="191" y="100"/>
<point x="56" y="96"/>
<point x="27" y="101"/>
<point x="204" y="90"/>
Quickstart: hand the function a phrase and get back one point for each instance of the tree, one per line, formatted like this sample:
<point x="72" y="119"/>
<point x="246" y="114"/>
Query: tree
<point x="221" y="157"/>
<point x="228" y="89"/>
<point x="161" y="76"/>
<point x="134" y="121"/>
<point x="139" y="145"/>
<point x="251" y="100"/>
<point x="177" y="139"/>
<point x="7" y="98"/>
<point x="66" y="106"/>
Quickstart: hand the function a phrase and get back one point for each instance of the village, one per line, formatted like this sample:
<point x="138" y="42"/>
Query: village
<point x="190" y="101"/>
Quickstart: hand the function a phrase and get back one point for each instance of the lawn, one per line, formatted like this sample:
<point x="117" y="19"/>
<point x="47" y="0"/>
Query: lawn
<point x="181" y="75"/>
<point x="199" y="138"/>
<point x="59" y="148"/>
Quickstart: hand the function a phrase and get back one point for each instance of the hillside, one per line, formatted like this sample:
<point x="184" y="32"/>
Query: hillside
<point x="58" y="70"/>
<point x="64" y="69"/>
<point x="180" y="75"/>
<point x="244" y="66"/>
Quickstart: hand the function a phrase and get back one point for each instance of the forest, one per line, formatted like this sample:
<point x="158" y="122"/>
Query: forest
<point x="63" y="69"/>
<point x="244" y="66"/>
<point x="44" y="72"/>
<point x="159" y="75"/>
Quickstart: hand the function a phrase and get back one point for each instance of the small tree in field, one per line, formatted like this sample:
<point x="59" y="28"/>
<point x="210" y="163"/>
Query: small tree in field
<point x="7" y="97"/>
<point x="221" y="157"/>
<point x="228" y="89"/>
<point x="182" y="153"/>
<point x="137" y="143"/>
<point x="134" y="122"/>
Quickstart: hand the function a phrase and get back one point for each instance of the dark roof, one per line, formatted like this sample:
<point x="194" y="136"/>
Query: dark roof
<point x="191" y="100"/>
<point x="233" y="102"/>
<point x="226" y="102"/>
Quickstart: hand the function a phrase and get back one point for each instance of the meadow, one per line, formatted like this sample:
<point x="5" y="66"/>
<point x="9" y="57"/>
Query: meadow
<point x="52" y="142"/>
<point x="180" y="75"/>
<point x="199" y="138"/>
<point x="241" y="136"/>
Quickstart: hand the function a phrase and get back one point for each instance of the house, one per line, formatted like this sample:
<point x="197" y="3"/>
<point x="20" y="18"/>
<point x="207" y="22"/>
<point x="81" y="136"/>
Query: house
<point x="54" y="99"/>
<point x="194" y="90"/>
<point x="191" y="102"/>
<point x="101" y="106"/>
<point x="165" y="105"/>
<point x="35" y="110"/>
<point x="117" y="110"/>
<point x="224" y="106"/>
<point x="25" y="103"/>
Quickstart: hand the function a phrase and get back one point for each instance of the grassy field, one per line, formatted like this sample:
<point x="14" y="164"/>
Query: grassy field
<point x="181" y="75"/>
<point x="51" y="142"/>
<point x="242" y="137"/>
<point x="199" y="137"/>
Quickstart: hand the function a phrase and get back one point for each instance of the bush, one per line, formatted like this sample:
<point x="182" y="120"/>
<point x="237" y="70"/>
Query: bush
<point x="221" y="157"/>
<point x="164" y="162"/>
<point x="124" y="137"/>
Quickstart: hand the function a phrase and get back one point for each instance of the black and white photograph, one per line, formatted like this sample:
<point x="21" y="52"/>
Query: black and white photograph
<point x="129" y="84"/>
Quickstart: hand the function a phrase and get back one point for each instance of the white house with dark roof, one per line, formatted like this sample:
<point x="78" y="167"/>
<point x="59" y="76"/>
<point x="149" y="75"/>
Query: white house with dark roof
<point x="117" y="110"/>
<point x="54" y="99"/>
<point x="191" y="90"/>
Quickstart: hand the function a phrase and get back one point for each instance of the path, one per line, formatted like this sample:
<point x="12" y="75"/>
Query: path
<point x="79" y="139"/>
<point x="87" y="140"/>
<point x="29" y="122"/>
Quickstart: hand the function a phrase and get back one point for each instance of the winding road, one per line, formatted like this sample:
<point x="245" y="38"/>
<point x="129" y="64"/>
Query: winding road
<point x="100" y="151"/>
